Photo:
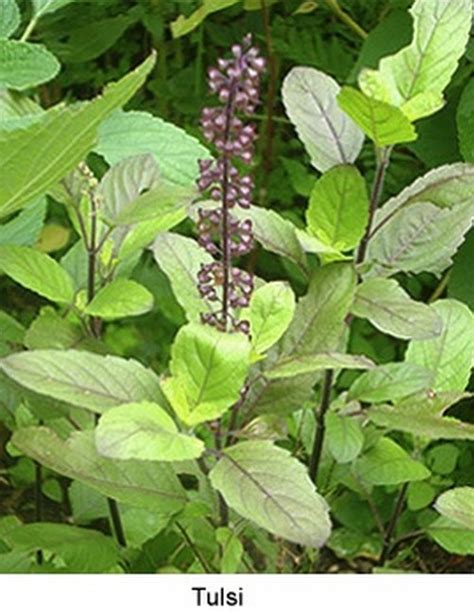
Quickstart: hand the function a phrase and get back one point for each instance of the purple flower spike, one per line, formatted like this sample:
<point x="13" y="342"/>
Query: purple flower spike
<point x="236" y="82"/>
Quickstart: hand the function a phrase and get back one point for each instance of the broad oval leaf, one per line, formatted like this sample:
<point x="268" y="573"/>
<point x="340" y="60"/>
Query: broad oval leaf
<point x="264" y="484"/>
<point x="388" y="464"/>
<point x="143" y="431"/>
<point x="383" y="123"/>
<point x="270" y="313"/>
<point x="38" y="272"/>
<point x="127" y="134"/>
<point x="450" y="355"/>
<point x="390" y="382"/>
<point x="43" y="7"/>
<point x="151" y="485"/>
<point x="9" y="18"/>
<point x="329" y="135"/>
<point x="119" y="299"/>
<point x="295" y="365"/>
<point x="25" y="65"/>
<point x="345" y="437"/>
<point x="339" y="208"/>
<point x="83" y="379"/>
<point x="458" y="505"/>
<point x="391" y="310"/>
<point x="209" y="367"/>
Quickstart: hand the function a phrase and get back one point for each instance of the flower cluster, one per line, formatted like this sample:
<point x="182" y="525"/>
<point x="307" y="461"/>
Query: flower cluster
<point x="236" y="82"/>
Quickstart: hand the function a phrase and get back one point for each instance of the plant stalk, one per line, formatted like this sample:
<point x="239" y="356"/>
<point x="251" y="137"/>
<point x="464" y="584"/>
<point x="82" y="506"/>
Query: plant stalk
<point x="346" y="18"/>
<point x="320" y="426"/>
<point x="38" y="504"/>
<point x="387" y="541"/>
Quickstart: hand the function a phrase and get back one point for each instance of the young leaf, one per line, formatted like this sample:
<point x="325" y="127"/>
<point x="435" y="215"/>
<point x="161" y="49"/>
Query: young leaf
<point x="388" y="464"/>
<point x="60" y="138"/>
<point x="458" y="505"/>
<point x="210" y="367"/>
<point x="83" y="379"/>
<point x="232" y="550"/>
<point x="441" y="33"/>
<point x="264" y="484"/>
<point x="450" y="355"/>
<point x="345" y="438"/>
<point x="119" y="299"/>
<point x="10" y="329"/>
<point x="83" y="550"/>
<point x="151" y="485"/>
<point x="451" y="536"/>
<point x="181" y="258"/>
<point x="390" y="309"/>
<point x="339" y="208"/>
<point x="50" y="331"/>
<point x="319" y="318"/>
<point x="25" y="65"/>
<point x="38" y="272"/>
<point x="270" y="313"/>
<point x="329" y="135"/>
<point x="383" y="123"/>
<point x="136" y="132"/>
<point x="143" y="431"/>
<point x="422" y="416"/>
<point x="390" y="382"/>
<point x="9" y="18"/>
<point x="307" y="364"/>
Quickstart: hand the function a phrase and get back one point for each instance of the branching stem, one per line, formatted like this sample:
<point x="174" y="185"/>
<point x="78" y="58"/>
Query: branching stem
<point x="346" y="18"/>
<point x="320" y="426"/>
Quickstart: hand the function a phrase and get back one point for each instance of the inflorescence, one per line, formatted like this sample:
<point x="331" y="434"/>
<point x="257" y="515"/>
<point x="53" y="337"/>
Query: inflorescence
<point x="236" y="82"/>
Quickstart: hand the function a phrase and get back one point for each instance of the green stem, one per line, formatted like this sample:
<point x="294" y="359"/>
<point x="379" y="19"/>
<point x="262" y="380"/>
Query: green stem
<point x="346" y="18"/>
<point x="320" y="426"/>
<point x="38" y="504"/>
<point x="29" y="29"/>
<point x="192" y="546"/>
<point x="387" y="541"/>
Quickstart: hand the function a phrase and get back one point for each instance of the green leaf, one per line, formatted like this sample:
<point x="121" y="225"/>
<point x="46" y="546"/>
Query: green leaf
<point x="329" y="135"/>
<point x="421" y="228"/>
<point x="458" y="505"/>
<point x="232" y="550"/>
<point x="264" y="484"/>
<point x="25" y="65"/>
<point x="143" y="432"/>
<point x="181" y="258"/>
<point x="25" y="228"/>
<point x="425" y="67"/>
<point x="390" y="309"/>
<point x="307" y="364"/>
<point x="388" y="464"/>
<point x="270" y="313"/>
<point x="83" y="379"/>
<point x="339" y="208"/>
<point x="43" y="7"/>
<point x="452" y="537"/>
<point x="136" y="132"/>
<point x="422" y="416"/>
<point x="209" y="367"/>
<point x="390" y="382"/>
<point x="9" y="18"/>
<point x="50" y="331"/>
<point x="83" y="550"/>
<point x="345" y="438"/>
<point x="319" y="319"/>
<point x="276" y="234"/>
<point x="183" y="25"/>
<point x="450" y="356"/>
<point x="383" y="123"/>
<point x="151" y="485"/>
<point x="465" y="122"/>
<point x="10" y="329"/>
<point x="38" y="272"/>
<point x="60" y="138"/>
<point x="119" y="299"/>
